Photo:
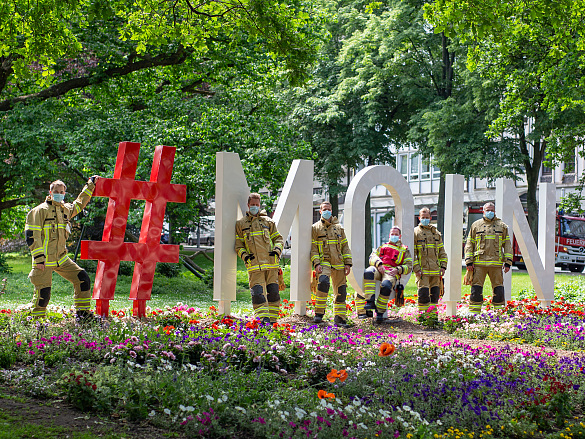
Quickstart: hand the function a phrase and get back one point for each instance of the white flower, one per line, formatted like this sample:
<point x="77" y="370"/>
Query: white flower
<point x="152" y="413"/>
<point x="356" y="402"/>
<point x="210" y="398"/>
<point x="241" y="409"/>
<point x="167" y="411"/>
<point x="182" y="408"/>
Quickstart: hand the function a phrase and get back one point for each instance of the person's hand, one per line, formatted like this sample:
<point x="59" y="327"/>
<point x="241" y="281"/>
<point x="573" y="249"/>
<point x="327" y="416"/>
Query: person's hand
<point x="470" y="267"/>
<point x="249" y="258"/>
<point x="273" y="253"/>
<point x="347" y="269"/>
<point x="93" y="178"/>
<point x="318" y="269"/>
<point x="40" y="266"/>
<point x="418" y="273"/>
<point x="381" y="269"/>
<point x="442" y="272"/>
<point x="506" y="268"/>
<point x="393" y="272"/>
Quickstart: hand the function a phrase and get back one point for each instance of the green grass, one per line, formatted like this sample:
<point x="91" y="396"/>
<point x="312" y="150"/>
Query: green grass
<point x="16" y="427"/>
<point x="185" y="288"/>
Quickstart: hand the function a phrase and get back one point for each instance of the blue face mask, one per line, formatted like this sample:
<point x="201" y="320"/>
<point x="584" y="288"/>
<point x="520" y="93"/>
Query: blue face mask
<point x="58" y="198"/>
<point x="425" y="221"/>
<point x="254" y="210"/>
<point x="489" y="214"/>
<point x="394" y="239"/>
<point x="326" y="214"/>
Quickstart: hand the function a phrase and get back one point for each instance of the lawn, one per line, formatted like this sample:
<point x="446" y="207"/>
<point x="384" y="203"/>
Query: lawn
<point x="185" y="288"/>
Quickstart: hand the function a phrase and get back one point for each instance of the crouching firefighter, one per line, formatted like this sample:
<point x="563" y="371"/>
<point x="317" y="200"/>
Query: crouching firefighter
<point x="331" y="258"/>
<point x="387" y="264"/>
<point x="47" y="228"/>
<point x="487" y="251"/>
<point x="259" y="245"/>
<point x="430" y="261"/>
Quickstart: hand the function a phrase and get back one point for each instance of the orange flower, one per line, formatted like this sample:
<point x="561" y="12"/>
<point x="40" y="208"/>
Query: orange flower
<point x="324" y="394"/>
<point x="331" y="376"/>
<point x="168" y="329"/>
<point x="386" y="349"/>
<point x="334" y="374"/>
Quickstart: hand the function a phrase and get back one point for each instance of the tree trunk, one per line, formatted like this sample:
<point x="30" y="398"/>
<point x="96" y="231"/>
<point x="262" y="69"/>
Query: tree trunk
<point x="441" y="204"/>
<point x="334" y="200"/>
<point x="532" y="169"/>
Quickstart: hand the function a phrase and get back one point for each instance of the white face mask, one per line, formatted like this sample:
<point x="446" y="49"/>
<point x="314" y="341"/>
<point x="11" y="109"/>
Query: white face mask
<point x="394" y="239"/>
<point x="489" y="214"/>
<point x="254" y="210"/>
<point x="326" y="214"/>
<point x="425" y="221"/>
<point x="58" y="198"/>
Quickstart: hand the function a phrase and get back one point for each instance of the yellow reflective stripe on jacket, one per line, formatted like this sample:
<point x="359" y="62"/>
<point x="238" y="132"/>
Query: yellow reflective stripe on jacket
<point x="36" y="251"/>
<point x="338" y="267"/>
<point x="32" y="227"/>
<point x="63" y="259"/>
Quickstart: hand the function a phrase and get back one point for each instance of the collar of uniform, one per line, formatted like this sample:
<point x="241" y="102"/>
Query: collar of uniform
<point x="490" y="220"/>
<point x="261" y="213"/>
<point x="397" y="246"/>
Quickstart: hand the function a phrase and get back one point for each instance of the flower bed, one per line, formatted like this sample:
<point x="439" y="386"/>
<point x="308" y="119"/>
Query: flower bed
<point x="204" y="375"/>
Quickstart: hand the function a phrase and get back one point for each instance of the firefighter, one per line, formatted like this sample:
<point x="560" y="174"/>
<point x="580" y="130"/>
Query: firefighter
<point x="47" y="228"/>
<point x="430" y="261"/>
<point x="488" y="248"/>
<point x="259" y="245"/>
<point x="387" y="264"/>
<point x="331" y="258"/>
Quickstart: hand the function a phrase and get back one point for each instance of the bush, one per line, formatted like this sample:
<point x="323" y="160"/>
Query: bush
<point x="4" y="267"/>
<point x="168" y="269"/>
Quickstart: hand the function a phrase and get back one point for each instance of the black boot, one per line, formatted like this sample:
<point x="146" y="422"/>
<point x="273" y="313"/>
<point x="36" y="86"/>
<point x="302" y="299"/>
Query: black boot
<point x="371" y="303"/>
<point x="369" y="314"/>
<point x="340" y="323"/>
<point x="318" y="318"/>
<point x="266" y="321"/>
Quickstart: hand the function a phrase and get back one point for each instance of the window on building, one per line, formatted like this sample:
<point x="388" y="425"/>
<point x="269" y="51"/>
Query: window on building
<point x="570" y="164"/>
<point x="414" y="159"/>
<point x="425" y="170"/>
<point x="403" y="164"/>
<point x="436" y="172"/>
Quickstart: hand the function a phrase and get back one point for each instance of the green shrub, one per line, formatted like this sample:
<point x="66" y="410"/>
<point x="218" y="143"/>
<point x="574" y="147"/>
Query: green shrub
<point x="168" y="269"/>
<point x="4" y="267"/>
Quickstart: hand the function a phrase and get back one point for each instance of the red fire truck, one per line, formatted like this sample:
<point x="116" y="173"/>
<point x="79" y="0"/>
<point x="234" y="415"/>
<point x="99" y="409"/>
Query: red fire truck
<point x="569" y="241"/>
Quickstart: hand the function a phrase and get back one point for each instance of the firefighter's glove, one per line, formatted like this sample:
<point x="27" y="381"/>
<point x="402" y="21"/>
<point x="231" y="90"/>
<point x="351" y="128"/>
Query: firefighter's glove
<point x="273" y="253"/>
<point x="249" y="258"/>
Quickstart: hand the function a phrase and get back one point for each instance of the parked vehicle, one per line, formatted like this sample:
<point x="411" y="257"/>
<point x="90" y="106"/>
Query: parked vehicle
<point x="569" y="241"/>
<point x="206" y="229"/>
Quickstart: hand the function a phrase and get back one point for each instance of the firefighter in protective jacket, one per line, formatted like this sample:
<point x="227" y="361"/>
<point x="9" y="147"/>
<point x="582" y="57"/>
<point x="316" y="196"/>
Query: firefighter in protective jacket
<point x="387" y="263"/>
<point x="259" y="245"/>
<point x="430" y="261"/>
<point x="488" y="248"/>
<point x="331" y="258"/>
<point x="47" y="228"/>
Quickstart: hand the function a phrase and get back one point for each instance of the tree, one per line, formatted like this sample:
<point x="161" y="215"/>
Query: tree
<point x="534" y="51"/>
<point x="86" y="71"/>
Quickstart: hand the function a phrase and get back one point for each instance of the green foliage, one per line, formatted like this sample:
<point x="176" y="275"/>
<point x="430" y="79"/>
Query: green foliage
<point x="4" y="266"/>
<point x="168" y="269"/>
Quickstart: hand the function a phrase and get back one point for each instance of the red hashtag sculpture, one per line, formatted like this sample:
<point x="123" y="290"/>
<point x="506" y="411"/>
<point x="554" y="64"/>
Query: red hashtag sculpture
<point x="148" y="251"/>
